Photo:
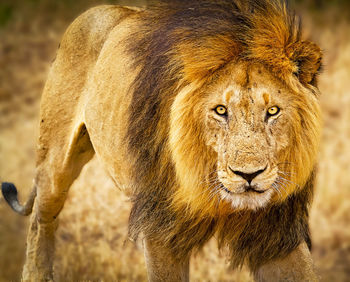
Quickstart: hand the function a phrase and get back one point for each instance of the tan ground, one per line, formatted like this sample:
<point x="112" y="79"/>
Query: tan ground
<point x="92" y="239"/>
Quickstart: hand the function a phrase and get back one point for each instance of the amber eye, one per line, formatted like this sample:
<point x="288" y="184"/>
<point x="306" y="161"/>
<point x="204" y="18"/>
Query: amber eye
<point x="221" y="110"/>
<point x="273" y="111"/>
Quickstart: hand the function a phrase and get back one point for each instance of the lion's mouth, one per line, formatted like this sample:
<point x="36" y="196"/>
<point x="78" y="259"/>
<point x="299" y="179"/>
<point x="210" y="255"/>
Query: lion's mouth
<point x="247" y="189"/>
<point x="246" y="196"/>
<point x="253" y="190"/>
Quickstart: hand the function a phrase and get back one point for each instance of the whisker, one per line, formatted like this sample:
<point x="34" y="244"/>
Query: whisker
<point x="286" y="173"/>
<point x="209" y="179"/>
<point x="284" y="163"/>
<point x="289" y="181"/>
<point x="212" y="188"/>
<point x="274" y="185"/>
<point x="281" y="185"/>
<point x="216" y="190"/>
<point x="211" y="182"/>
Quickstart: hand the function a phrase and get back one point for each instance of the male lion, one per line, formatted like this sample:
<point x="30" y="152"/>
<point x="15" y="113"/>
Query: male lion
<point x="206" y="112"/>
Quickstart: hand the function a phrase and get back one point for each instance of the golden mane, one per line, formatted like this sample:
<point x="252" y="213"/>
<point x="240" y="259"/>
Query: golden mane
<point x="178" y="48"/>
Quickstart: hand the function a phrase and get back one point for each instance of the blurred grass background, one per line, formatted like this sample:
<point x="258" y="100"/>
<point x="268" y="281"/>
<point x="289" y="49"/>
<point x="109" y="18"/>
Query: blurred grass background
<point x="92" y="242"/>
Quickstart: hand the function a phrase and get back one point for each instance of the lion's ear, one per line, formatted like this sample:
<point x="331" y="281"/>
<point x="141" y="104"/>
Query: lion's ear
<point x="307" y="57"/>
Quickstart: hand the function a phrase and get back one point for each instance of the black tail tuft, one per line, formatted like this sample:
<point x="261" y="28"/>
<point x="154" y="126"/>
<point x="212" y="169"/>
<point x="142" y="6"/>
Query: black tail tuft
<point x="9" y="192"/>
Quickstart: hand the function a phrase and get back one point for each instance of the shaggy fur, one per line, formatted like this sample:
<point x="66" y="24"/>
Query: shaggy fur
<point x="179" y="48"/>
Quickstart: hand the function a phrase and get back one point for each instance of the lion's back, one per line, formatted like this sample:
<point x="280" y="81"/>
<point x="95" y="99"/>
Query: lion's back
<point x="77" y="55"/>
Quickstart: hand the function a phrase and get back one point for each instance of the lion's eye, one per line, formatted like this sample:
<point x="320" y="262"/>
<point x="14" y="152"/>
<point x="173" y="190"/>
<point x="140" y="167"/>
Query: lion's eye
<point x="221" y="110"/>
<point x="273" y="111"/>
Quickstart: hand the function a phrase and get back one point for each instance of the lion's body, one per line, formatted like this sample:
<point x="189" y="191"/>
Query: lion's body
<point x="131" y="86"/>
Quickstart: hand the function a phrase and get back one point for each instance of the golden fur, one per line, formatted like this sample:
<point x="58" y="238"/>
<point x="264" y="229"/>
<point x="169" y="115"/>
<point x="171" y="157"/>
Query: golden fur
<point x="139" y="88"/>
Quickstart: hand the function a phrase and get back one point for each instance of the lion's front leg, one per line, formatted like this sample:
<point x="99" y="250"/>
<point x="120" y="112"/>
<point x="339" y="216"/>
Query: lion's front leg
<point x="162" y="266"/>
<point x="40" y="250"/>
<point x="297" y="266"/>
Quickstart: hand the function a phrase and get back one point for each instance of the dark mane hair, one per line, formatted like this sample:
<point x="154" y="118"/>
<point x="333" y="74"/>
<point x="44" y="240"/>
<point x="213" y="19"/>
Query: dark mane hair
<point x="173" y="47"/>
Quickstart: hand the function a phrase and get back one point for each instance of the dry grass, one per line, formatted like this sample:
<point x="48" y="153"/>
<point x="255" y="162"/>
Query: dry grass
<point x="92" y="238"/>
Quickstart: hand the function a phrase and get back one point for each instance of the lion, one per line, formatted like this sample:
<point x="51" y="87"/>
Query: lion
<point x="206" y="113"/>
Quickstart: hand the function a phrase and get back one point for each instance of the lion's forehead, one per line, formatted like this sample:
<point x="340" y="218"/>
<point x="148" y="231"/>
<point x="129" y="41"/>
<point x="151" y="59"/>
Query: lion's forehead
<point x="235" y="94"/>
<point x="250" y="84"/>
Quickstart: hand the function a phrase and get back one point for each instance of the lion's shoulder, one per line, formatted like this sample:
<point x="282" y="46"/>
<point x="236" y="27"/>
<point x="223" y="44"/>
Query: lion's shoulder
<point x="91" y="29"/>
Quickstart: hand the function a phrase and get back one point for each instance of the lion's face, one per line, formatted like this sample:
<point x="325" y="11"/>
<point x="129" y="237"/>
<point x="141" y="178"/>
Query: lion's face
<point x="260" y="138"/>
<point x="248" y="123"/>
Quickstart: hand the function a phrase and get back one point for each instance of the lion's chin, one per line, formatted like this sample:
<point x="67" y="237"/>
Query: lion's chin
<point x="247" y="200"/>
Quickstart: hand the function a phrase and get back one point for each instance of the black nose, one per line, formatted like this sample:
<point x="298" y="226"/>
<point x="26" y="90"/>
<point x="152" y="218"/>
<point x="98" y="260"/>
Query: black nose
<point x="248" y="176"/>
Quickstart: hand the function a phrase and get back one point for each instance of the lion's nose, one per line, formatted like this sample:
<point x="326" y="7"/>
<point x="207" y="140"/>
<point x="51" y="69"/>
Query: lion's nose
<point x="248" y="176"/>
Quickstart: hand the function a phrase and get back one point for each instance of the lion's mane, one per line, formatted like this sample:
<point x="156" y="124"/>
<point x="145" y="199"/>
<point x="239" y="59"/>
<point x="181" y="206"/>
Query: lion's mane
<point x="177" y="49"/>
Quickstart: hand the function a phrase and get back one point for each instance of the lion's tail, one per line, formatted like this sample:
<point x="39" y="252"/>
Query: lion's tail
<point x="9" y="192"/>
